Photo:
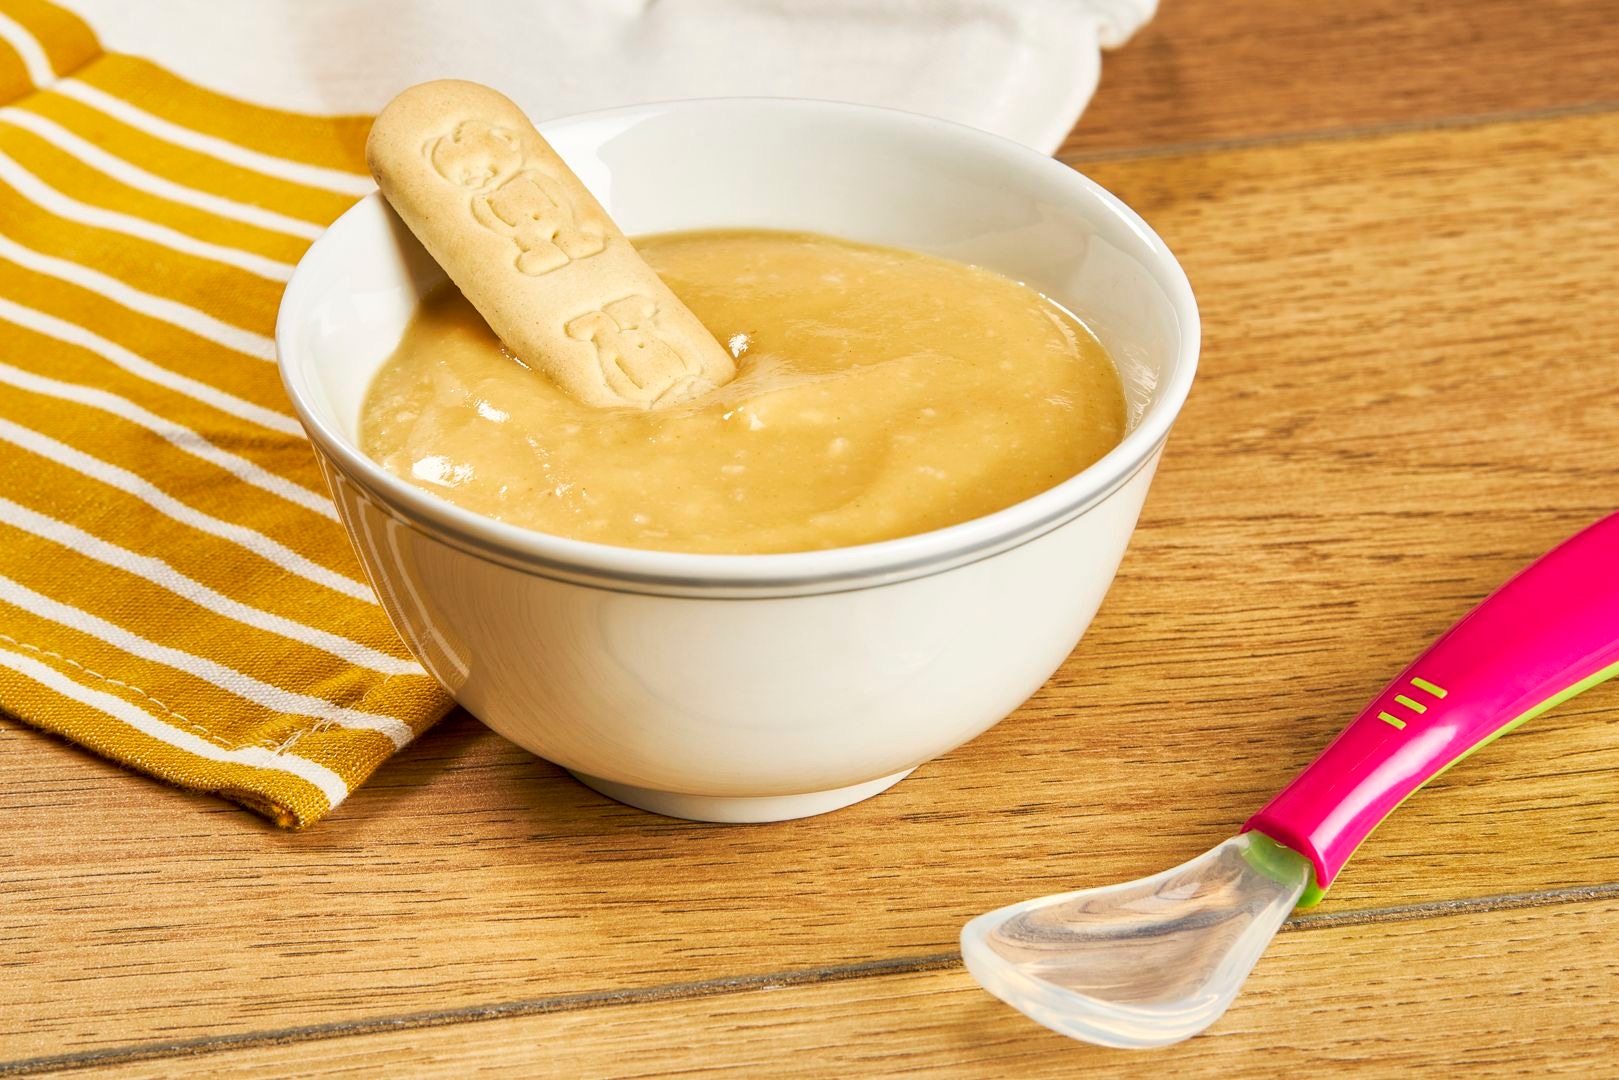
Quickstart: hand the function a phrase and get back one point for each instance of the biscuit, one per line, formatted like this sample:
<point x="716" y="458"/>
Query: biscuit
<point x="534" y="252"/>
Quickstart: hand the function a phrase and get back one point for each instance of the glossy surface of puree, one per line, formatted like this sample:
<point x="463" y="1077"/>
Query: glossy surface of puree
<point x="880" y="393"/>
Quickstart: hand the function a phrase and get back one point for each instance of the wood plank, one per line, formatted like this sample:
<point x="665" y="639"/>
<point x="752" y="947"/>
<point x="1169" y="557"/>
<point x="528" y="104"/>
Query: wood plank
<point x="1209" y="70"/>
<point x="1491" y="996"/>
<point x="1406" y="395"/>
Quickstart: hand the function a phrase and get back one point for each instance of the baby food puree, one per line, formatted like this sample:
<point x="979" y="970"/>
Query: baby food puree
<point x="879" y="393"/>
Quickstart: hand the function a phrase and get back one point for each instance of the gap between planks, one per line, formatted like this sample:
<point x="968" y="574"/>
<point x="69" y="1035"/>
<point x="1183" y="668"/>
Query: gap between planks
<point x="904" y="965"/>
<point x="1193" y="147"/>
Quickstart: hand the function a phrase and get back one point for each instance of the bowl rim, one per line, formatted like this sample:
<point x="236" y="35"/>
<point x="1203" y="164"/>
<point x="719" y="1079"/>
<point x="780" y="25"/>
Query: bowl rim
<point x="825" y="570"/>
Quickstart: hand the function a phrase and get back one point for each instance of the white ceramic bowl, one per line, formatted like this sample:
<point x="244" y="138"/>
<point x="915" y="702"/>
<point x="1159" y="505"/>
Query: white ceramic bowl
<point x="758" y="687"/>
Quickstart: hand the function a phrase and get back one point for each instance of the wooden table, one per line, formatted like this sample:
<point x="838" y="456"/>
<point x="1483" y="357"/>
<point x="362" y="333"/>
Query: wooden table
<point x="1403" y="226"/>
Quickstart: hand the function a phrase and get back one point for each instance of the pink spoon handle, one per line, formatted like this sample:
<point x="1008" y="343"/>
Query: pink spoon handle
<point x="1546" y="635"/>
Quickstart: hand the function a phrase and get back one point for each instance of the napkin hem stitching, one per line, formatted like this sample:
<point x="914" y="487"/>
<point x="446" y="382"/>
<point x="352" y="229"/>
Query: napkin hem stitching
<point x="94" y="674"/>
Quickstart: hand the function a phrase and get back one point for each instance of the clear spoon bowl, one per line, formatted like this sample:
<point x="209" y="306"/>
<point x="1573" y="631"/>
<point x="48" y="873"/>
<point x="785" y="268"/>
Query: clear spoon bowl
<point x="1146" y="963"/>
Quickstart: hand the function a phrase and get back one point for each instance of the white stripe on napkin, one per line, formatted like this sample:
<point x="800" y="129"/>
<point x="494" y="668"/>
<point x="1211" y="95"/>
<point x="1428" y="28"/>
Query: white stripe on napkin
<point x="343" y="183"/>
<point x="330" y="784"/>
<point x="204" y="325"/>
<point x="48" y="198"/>
<point x="228" y="679"/>
<point x="142" y="368"/>
<point x="138" y="178"/>
<point x="150" y="494"/>
<point x="165" y="576"/>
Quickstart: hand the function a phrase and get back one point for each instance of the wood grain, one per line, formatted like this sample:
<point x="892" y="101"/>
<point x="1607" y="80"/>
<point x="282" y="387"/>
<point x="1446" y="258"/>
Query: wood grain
<point x="1406" y="394"/>
<point x="1211" y="71"/>
<point x="1486" y="996"/>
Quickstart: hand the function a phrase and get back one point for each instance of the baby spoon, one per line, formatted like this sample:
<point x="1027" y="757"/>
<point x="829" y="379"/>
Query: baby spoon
<point x="1155" y="961"/>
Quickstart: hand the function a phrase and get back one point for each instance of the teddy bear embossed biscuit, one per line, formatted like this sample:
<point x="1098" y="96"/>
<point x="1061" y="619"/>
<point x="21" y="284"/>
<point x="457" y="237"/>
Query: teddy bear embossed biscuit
<point x="534" y="252"/>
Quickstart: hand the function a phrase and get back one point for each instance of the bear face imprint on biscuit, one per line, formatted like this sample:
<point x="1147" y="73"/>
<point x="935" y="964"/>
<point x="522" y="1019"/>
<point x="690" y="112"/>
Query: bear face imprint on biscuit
<point x="630" y="347"/>
<point x="475" y="154"/>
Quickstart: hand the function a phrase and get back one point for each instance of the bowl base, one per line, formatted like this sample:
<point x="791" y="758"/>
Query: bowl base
<point x="740" y="809"/>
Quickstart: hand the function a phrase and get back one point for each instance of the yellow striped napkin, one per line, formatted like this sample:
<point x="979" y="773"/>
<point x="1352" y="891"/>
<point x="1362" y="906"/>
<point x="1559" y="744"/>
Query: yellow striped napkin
<point x="175" y="591"/>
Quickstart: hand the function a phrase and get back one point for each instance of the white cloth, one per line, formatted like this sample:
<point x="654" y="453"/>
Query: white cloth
<point x="1020" y="68"/>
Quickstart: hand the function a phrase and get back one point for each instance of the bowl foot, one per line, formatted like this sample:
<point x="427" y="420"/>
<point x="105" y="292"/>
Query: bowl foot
<point x="738" y="810"/>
